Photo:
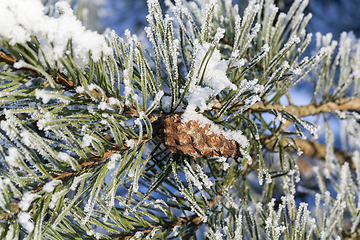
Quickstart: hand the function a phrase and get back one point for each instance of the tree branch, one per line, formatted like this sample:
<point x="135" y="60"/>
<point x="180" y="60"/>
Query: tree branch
<point x="194" y="219"/>
<point x="312" y="149"/>
<point x="96" y="160"/>
<point x="67" y="83"/>
<point x="311" y="109"/>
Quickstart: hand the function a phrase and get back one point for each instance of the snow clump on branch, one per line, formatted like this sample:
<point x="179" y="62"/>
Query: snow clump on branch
<point x="19" y="20"/>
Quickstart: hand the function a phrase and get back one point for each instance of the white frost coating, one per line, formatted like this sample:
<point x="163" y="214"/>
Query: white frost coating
<point x="166" y="103"/>
<point x="24" y="220"/>
<point x="213" y="80"/>
<point x="114" y="101"/>
<point x="131" y="143"/>
<point x="214" y="77"/>
<point x="26" y="138"/>
<point x="45" y="97"/>
<point x="50" y="186"/>
<point x="87" y="140"/>
<point x="240" y="63"/>
<point x="158" y="96"/>
<point x="26" y="200"/>
<point x="219" y="34"/>
<point x="66" y="158"/>
<point x="207" y="183"/>
<point x="127" y="83"/>
<point x="104" y="106"/>
<point x="225" y="166"/>
<point x="20" y="64"/>
<point x="113" y="159"/>
<point x="80" y="89"/>
<point x="44" y="120"/>
<point x="55" y="198"/>
<point x="22" y="18"/>
<point x="10" y="235"/>
<point x="218" y="235"/>
<point x="265" y="48"/>
<point x="13" y="158"/>
<point x="191" y="115"/>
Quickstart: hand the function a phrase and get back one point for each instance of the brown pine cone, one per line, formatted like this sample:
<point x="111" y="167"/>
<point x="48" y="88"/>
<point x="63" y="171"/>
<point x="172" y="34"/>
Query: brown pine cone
<point x="189" y="138"/>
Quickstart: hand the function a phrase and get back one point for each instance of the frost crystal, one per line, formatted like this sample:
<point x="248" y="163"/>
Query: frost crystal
<point x="114" y="101"/>
<point x="13" y="157"/>
<point x="55" y="198"/>
<point x="26" y="200"/>
<point x="87" y="140"/>
<point x="219" y="34"/>
<point x="43" y="95"/>
<point x="66" y="158"/>
<point x="24" y="220"/>
<point x="50" y="186"/>
<point x="131" y="143"/>
<point x="80" y="89"/>
<point x="112" y="163"/>
<point x="23" y="18"/>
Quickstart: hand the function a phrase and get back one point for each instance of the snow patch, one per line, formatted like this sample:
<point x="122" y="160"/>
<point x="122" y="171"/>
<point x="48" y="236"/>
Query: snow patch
<point x="21" y="19"/>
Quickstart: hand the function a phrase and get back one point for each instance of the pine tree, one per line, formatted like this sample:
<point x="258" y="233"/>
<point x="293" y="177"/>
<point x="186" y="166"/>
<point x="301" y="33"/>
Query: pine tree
<point x="192" y="136"/>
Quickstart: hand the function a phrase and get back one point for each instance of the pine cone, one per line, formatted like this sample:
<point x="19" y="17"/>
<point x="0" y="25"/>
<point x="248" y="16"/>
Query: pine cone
<point x="189" y="138"/>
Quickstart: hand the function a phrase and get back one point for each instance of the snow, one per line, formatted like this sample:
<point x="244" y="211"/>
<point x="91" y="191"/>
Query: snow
<point x="19" y="64"/>
<point x="87" y="140"/>
<point x="50" y="186"/>
<point x="66" y="158"/>
<point x="213" y="77"/>
<point x="13" y="157"/>
<point x="166" y="103"/>
<point x="104" y="106"/>
<point x="26" y="200"/>
<point x="24" y="18"/>
<point x="56" y="196"/>
<point x="24" y="220"/>
<point x="45" y="97"/>
<point x="131" y="143"/>
<point x="80" y="89"/>
<point x="114" y="101"/>
<point x="113" y="159"/>
<point x="219" y="34"/>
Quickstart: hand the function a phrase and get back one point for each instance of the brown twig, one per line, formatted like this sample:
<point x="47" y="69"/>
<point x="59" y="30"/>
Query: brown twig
<point x="354" y="236"/>
<point x="312" y="149"/>
<point x="311" y="109"/>
<point x="343" y="104"/>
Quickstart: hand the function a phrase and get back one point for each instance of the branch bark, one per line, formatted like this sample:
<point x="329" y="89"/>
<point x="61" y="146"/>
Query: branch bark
<point x="311" y="109"/>
<point x="313" y="149"/>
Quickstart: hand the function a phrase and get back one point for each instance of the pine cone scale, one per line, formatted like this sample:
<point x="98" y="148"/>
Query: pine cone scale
<point x="192" y="139"/>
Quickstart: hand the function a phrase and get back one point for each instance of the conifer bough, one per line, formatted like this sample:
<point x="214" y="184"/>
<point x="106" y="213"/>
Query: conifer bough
<point x="191" y="136"/>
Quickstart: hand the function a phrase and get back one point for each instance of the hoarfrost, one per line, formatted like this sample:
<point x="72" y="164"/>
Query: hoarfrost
<point x="50" y="186"/>
<point x="21" y="19"/>
<point x="26" y="200"/>
<point x="87" y="140"/>
<point x="24" y="220"/>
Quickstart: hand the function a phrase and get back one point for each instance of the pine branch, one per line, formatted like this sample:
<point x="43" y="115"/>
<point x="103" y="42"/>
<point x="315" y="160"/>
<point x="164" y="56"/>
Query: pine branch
<point x="194" y="219"/>
<point x="64" y="176"/>
<point x="67" y="83"/>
